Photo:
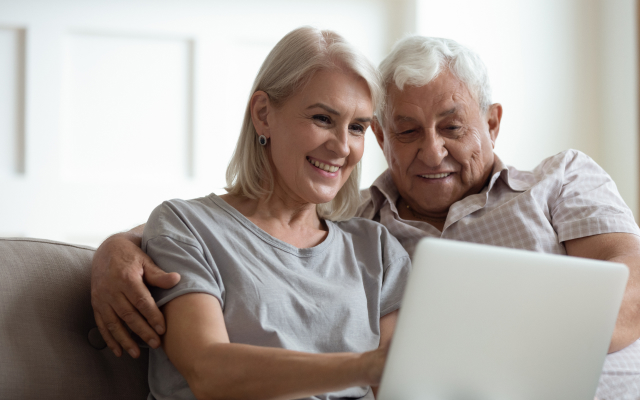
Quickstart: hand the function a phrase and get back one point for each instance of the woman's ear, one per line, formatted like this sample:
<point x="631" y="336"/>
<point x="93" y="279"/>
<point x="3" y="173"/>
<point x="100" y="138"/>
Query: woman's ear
<point x="260" y="108"/>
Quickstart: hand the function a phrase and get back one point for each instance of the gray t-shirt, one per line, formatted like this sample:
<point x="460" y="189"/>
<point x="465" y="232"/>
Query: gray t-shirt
<point x="324" y="299"/>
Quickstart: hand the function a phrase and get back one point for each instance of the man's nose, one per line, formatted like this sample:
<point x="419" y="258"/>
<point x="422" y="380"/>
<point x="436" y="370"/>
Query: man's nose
<point x="433" y="150"/>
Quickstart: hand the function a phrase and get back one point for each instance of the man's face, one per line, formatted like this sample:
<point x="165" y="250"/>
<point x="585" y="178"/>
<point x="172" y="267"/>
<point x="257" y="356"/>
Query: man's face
<point x="438" y="144"/>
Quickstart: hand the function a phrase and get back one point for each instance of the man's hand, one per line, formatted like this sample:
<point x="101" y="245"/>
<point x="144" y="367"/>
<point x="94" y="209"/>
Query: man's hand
<point x="623" y="248"/>
<point x="118" y="293"/>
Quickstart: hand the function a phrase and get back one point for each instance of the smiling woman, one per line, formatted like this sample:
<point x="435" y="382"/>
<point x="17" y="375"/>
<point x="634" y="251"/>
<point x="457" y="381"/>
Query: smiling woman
<point x="316" y="139"/>
<point x="283" y="73"/>
<point x="280" y="294"/>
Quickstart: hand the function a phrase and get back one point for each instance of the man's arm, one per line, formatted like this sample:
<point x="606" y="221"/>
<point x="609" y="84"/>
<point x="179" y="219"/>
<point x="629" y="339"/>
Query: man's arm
<point x="118" y="292"/>
<point x="623" y="248"/>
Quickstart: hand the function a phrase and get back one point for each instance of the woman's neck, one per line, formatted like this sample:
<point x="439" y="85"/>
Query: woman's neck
<point x="283" y="217"/>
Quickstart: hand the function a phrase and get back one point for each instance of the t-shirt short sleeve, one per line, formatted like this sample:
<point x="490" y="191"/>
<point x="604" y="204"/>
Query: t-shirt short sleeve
<point x="172" y="245"/>
<point x="393" y="284"/>
<point x="589" y="202"/>
<point x="397" y="265"/>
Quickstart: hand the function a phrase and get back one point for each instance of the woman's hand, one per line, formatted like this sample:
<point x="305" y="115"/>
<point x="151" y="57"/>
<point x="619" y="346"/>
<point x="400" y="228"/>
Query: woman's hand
<point x="373" y="363"/>
<point x="118" y="293"/>
<point x="387" y="327"/>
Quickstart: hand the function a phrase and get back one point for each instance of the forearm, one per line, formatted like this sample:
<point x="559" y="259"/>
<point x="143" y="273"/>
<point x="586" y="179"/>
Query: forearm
<point x="622" y="248"/>
<point x="133" y="235"/>
<point x="627" y="328"/>
<point x="238" y="371"/>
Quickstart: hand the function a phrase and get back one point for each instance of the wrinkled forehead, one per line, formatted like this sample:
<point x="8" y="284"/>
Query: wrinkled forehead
<point x="444" y="93"/>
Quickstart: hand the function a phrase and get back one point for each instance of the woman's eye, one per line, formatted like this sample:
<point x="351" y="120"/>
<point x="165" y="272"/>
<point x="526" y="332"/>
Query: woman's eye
<point x="407" y="132"/>
<point x="322" y="118"/>
<point x="453" y="127"/>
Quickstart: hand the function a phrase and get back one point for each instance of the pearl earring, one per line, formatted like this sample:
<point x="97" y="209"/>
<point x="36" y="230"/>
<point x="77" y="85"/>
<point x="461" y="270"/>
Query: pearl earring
<point x="262" y="139"/>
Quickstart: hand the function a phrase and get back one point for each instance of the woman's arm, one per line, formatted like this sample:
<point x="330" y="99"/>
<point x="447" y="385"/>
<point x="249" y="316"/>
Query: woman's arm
<point x="387" y="326"/>
<point x="197" y="344"/>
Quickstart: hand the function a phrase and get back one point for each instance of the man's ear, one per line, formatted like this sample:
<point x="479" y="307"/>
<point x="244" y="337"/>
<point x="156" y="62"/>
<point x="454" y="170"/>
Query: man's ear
<point x="376" y="127"/>
<point x="494" y="116"/>
<point x="260" y="108"/>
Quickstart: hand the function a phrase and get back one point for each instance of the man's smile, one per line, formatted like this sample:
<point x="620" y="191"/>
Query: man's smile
<point x="436" y="176"/>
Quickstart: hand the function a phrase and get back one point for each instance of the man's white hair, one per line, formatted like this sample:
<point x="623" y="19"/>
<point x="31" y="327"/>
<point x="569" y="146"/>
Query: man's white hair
<point x="417" y="60"/>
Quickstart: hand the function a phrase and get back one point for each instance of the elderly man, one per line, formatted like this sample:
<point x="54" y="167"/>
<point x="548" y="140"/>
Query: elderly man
<point x="438" y="129"/>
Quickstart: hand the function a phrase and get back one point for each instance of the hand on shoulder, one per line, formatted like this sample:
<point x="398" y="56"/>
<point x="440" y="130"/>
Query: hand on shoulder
<point x="118" y="293"/>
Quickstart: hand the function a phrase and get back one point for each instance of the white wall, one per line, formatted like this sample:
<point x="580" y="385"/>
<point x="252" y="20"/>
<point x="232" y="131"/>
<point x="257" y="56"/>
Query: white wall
<point x="108" y="107"/>
<point x="565" y="72"/>
<point x="618" y="139"/>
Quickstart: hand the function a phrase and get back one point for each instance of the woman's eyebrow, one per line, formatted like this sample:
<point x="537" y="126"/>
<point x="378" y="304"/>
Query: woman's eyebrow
<point x="325" y="107"/>
<point x="336" y="113"/>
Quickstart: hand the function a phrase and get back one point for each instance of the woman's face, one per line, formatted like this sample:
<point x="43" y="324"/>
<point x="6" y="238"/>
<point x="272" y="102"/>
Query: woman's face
<point x="316" y="137"/>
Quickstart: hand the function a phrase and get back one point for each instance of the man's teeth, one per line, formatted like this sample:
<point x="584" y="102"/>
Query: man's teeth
<point x="322" y="166"/>
<point x="436" y="176"/>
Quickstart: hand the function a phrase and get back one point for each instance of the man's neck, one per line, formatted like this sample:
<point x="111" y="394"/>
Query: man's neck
<point x="407" y="213"/>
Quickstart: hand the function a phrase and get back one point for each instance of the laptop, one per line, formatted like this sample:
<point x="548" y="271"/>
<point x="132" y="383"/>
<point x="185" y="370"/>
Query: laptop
<point x="480" y="322"/>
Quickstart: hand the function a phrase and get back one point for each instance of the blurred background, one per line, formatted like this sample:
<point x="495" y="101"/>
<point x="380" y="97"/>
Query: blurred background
<point x="109" y="107"/>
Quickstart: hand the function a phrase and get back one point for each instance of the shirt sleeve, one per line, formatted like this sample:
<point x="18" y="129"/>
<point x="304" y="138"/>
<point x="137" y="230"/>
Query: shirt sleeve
<point x="170" y="243"/>
<point x="588" y="202"/>
<point x="397" y="265"/>
<point x="393" y="284"/>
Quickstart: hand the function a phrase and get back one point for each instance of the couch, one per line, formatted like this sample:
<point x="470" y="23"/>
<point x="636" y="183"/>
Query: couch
<point x="50" y="347"/>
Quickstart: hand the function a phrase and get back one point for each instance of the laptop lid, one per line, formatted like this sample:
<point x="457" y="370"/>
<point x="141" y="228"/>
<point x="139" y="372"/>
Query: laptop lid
<point x="488" y="323"/>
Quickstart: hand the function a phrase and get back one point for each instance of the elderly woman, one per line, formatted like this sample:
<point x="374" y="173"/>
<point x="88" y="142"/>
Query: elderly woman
<point x="281" y="295"/>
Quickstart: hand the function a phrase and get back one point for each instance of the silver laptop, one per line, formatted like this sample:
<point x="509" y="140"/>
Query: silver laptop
<point x="486" y="323"/>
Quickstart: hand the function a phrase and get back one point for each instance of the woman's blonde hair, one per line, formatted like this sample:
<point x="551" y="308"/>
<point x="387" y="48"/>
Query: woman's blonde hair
<point x="290" y="65"/>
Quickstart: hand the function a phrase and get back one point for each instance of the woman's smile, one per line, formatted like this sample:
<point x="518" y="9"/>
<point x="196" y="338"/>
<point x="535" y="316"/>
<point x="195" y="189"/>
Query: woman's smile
<point x="323" y="167"/>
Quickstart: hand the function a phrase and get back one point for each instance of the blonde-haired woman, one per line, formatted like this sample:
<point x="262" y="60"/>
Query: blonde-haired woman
<point x="276" y="300"/>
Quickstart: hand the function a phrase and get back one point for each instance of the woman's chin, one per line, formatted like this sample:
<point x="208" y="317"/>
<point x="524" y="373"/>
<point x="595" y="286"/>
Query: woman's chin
<point x="323" y="198"/>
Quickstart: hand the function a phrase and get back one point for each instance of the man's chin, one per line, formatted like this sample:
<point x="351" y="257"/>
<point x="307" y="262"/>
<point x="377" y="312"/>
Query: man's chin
<point x="433" y="209"/>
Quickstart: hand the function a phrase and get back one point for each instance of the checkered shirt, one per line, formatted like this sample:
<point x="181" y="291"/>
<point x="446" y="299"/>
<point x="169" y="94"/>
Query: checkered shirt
<point x="567" y="196"/>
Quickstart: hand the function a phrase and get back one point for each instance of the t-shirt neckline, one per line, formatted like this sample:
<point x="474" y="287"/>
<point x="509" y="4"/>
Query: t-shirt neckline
<point x="273" y="241"/>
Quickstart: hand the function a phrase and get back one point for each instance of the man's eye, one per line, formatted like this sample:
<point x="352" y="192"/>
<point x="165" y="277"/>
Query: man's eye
<point x="407" y="132"/>
<point x="357" y="128"/>
<point x="322" y="118"/>
<point x="453" y="127"/>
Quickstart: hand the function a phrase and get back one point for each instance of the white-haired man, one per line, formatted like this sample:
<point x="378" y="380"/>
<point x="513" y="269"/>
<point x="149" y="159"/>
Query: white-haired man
<point x="438" y="128"/>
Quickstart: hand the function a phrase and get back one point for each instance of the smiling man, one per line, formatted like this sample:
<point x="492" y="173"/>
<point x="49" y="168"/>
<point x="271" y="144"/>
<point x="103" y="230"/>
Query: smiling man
<point x="438" y="128"/>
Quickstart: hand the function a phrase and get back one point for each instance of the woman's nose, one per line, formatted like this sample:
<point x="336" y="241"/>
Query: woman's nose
<point x="339" y="143"/>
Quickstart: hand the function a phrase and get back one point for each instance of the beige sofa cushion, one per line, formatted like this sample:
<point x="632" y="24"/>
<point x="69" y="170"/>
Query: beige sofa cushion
<point x="46" y="322"/>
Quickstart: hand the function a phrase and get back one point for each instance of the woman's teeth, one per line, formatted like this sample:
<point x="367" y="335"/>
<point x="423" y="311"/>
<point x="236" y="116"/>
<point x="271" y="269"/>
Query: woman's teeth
<point x="322" y="166"/>
<point x="436" y="176"/>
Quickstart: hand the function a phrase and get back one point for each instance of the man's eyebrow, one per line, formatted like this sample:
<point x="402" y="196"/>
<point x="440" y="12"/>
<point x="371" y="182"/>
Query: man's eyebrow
<point x="336" y="113"/>
<point x="403" y="118"/>
<point x="450" y="111"/>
